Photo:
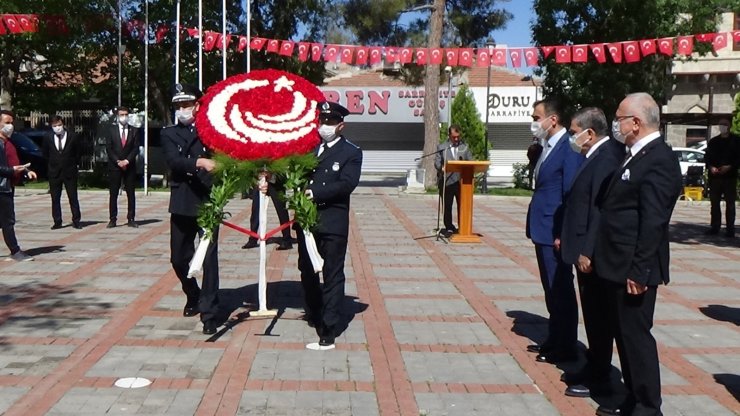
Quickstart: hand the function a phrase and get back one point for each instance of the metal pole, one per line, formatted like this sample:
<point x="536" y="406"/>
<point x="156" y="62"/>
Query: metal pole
<point x="120" y="52"/>
<point x="200" y="45"/>
<point x="177" y="42"/>
<point x="710" y="109"/>
<point x="146" y="91"/>
<point x="488" y="103"/>
<point x="223" y="39"/>
<point x="249" y="34"/>
<point x="449" y="99"/>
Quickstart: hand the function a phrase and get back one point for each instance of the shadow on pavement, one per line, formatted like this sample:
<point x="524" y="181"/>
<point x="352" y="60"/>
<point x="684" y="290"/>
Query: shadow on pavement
<point x="693" y="234"/>
<point x="731" y="383"/>
<point x="44" y="250"/>
<point x="722" y="313"/>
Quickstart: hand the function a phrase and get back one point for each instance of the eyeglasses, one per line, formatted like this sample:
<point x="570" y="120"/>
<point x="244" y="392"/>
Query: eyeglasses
<point x="620" y="118"/>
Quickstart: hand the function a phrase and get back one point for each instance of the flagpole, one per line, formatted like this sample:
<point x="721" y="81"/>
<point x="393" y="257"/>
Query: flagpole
<point x="249" y="34"/>
<point x="223" y="38"/>
<point x="120" y="23"/>
<point x="146" y="88"/>
<point x="200" y="45"/>
<point x="177" y="43"/>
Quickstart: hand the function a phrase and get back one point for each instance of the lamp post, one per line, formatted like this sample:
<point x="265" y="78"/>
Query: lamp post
<point x="120" y="51"/>
<point x="448" y="71"/>
<point x="490" y="44"/>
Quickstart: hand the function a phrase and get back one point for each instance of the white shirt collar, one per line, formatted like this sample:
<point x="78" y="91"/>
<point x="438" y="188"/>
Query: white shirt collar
<point x="635" y="149"/>
<point x="332" y="143"/>
<point x="555" y="138"/>
<point x="596" y="146"/>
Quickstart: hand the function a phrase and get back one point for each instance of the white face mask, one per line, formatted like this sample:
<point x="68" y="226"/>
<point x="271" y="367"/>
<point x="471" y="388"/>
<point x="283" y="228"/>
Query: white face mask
<point x="617" y="133"/>
<point x="538" y="131"/>
<point x="7" y="130"/>
<point x="123" y="120"/>
<point x="58" y="129"/>
<point x="328" y="133"/>
<point x="185" y="116"/>
<point x="723" y="129"/>
<point x="574" y="142"/>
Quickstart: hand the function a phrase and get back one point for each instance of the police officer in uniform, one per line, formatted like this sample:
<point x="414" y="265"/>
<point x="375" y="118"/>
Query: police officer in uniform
<point x="190" y="165"/>
<point x="332" y="182"/>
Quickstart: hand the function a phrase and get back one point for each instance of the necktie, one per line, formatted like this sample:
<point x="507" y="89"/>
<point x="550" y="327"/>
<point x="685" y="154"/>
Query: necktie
<point x="123" y="137"/>
<point x="627" y="157"/>
<point x="454" y="152"/>
<point x="59" y="143"/>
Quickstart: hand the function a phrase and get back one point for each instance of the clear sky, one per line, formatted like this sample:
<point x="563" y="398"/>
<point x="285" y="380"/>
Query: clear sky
<point x="517" y="31"/>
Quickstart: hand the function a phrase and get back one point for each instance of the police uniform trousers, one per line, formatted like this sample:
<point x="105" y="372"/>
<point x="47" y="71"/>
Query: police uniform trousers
<point x="183" y="230"/>
<point x="7" y="221"/>
<point x="323" y="302"/>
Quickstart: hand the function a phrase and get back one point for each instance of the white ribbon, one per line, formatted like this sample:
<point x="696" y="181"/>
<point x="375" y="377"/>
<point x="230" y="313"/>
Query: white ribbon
<point x="313" y="252"/>
<point x="196" y="264"/>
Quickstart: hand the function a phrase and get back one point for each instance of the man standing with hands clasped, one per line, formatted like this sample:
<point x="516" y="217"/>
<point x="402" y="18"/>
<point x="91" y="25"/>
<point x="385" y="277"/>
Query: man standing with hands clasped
<point x="722" y="158"/>
<point x="449" y="183"/>
<point x="332" y="183"/>
<point x="632" y="253"/>
<point x="122" y="145"/>
<point x="61" y="150"/>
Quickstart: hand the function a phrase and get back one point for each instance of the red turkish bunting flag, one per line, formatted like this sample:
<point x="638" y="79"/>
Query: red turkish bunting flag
<point x="286" y="48"/>
<point x="361" y="55"/>
<point x="562" y="54"/>
<point x="483" y="58"/>
<point x="516" y="57"/>
<point x="12" y="24"/>
<point x="406" y="55"/>
<point x="192" y="32"/>
<point x="499" y="57"/>
<point x="303" y="50"/>
<point x="436" y="56"/>
<point x="580" y="53"/>
<point x="273" y="45"/>
<point x="422" y="56"/>
<point x="161" y="33"/>
<point x="665" y="46"/>
<point x="736" y="36"/>
<point x="631" y="51"/>
<point x="647" y="47"/>
<point x="547" y="50"/>
<point x="221" y="41"/>
<point x="719" y="42"/>
<point x="210" y="40"/>
<point x="256" y="43"/>
<point x="391" y="55"/>
<point x="599" y="52"/>
<point x="465" y="57"/>
<point x="705" y="37"/>
<point x="615" y="50"/>
<point x="451" y="56"/>
<point x="316" y="51"/>
<point x="376" y="56"/>
<point x="2" y="26"/>
<point x="685" y="45"/>
<point x="331" y="52"/>
<point x="242" y="43"/>
<point x="28" y="22"/>
<point x="531" y="56"/>
<point x="347" y="55"/>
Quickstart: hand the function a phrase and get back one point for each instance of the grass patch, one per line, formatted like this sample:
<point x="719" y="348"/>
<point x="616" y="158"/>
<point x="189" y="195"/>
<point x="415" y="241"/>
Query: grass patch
<point x="495" y="191"/>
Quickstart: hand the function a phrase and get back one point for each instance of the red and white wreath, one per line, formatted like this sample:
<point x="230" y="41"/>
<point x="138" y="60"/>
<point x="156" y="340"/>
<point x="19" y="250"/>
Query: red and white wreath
<point x="264" y="114"/>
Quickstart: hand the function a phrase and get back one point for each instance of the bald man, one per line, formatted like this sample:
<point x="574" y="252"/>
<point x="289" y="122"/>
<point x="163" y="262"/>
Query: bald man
<point x="631" y="251"/>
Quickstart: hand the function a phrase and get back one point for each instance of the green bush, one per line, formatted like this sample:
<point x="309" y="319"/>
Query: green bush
<point x="521" y="176"/>
<point x="96" y="178"/>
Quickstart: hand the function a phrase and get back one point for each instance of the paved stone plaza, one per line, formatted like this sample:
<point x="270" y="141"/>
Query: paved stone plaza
<point x="435" y="329"/>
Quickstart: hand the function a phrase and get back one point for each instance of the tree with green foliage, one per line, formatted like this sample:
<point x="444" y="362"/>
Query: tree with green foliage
<point x="465" y="115"/>
<point x="735" y="126"/>
<point x="594" y="21"/>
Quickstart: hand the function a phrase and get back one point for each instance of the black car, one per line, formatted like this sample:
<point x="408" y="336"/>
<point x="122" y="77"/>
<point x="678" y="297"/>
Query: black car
<point x="29" y="152"/>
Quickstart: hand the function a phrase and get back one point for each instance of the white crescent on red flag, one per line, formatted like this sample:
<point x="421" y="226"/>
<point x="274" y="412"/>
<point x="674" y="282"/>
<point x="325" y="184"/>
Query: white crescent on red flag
<point x="28" y="22"/>
<point x="597" y="50"/>
<point x="483" y="58"/>
<point x="437" y="54"/>
<point x="331" y="52"/>
<point x="391" y="55"/>
<point x="685" y="45"/>
<point x="347" y="55"/>
<point x="532" y="56"/>
<point x="647" y="47"/>
<point x="210" y="40"/>
<point x="242" y="43"/>
<point x="705" y="37"/>
<point x="547" y="50"/>
<point x="316" y="51"/>
<point x="192" y="32"/>
<point x="421" y="56"/>
<point x="256" y="43"/>
<point x="499" y="57"/>
<point x="303" y="49"/>
<point x="286" y="48"/>
<point x="719" y="42"/>
<point x="405" y="55"/>
<point x="579" y="53"/>
<point x="273" y="45"/>
<point x="615" y="50"/>
<point x="631" y="51"/>
<point x="562" y="54"/>
<point x="12" y="23"/>
<point x="451" y="56"/>
<point x="376" y="55"/>
<point x="465" y="57"/>
<point x="516" y="57"/>
<point x="361" y="55"/>
<point x="736" y="36"/>
<point x="665" y="46"/>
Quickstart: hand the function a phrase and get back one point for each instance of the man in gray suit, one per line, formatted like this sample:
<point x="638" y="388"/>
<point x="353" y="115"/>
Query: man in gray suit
<point x="449" y="183"/>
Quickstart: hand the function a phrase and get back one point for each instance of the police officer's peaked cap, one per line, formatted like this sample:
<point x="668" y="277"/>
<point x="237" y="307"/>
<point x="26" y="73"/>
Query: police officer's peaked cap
<point x="185" y="92"/>
<point x="330" y="110"/>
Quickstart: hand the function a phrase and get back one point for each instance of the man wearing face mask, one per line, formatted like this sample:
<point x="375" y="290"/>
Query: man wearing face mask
<point x="589" y="136"/>
<point x="632" y="251"/>
<point x="332" y="182"/>
<point x="449" y="183"/>
<point x="191" y="167"/>
<point x="722" y="158"/>
<point x="61" y="150"/>
<point x="11" y="172"/>
<point x="553" y="176"/>
<point x="122" y="145"/>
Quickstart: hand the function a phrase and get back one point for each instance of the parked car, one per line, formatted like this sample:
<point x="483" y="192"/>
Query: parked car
<point x="688" y="157"/>
<point x="29" y="152"/>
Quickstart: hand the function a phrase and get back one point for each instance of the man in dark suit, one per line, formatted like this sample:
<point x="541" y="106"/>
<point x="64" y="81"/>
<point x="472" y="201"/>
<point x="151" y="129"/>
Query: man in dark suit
<point x="722" y="159"/>
<point x="61" y="150"/>
<point x="632" y="252"/>
<point x="332" y="182"/>
<point x="553" y="177"/>
<point x="589" y="136"/>
<point x="190" y="164"/>
<point x="449" y="183"/>
<point x="122" y="146"/>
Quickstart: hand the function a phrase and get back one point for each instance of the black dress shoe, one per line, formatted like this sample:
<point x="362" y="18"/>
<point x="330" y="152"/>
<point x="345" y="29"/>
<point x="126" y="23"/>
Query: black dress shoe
<point x="56" y="226"/>
<point x="209" y="328"/>
<point x="609" y="411"/>
<point x="326" y="340"/>
<point x="555" y="357"/>
<point x="573" y="378"/>
<point x="284" y="245"/>
<point x="111" y="224"/>
<point x="191" y="308"/>
<point x="132" y="224"/>
<point x="534" y="348"/>
<point x="578" y="390"/>
<point x="77" y="226"/>
<point x="251" y="243"/>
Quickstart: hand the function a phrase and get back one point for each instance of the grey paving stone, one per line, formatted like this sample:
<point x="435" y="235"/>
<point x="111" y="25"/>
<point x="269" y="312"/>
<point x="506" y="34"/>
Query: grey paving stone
<point x="9" y="395"/>
<point x="84" y="302"/>
<point x="696" y="336"/>
<point x="307" y="403"/>
<point x="417" y="288"/>
<point x="724" y="367"/>
<point x="499" y="273"/>
<point x="52" y="326"/>
<point x="478" y="404"/>
<point x="335" y="365"/>
<point x="427" y="307"/>
<point x="683" y="277"/>
<point x="708" y="293"/>
<point x="421" y="273"/>
<point x="294" y="330"/>
<point x="669" y="310"/>
<point x="693" y="405"/>
<point x="32" y="360"/>
<point x="522" y="290"/>
<point x="143" y="401"/>
<point x="150" y="363"/>
<point x="441" y="333"/>
<point x="151" y="327"/>
<point x="487" y="261"/>
<point x="438" y="367"/>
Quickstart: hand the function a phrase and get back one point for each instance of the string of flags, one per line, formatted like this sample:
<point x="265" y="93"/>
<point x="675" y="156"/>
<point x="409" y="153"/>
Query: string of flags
<point x="617" y="52"/>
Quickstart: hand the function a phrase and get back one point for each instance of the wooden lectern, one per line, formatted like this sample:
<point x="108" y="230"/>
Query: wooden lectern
<point x="467" y="170"/>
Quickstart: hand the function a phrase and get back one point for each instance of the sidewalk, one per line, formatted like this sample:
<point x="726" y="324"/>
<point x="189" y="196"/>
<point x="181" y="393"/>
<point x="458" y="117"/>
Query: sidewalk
<point x="435" y="329"/>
